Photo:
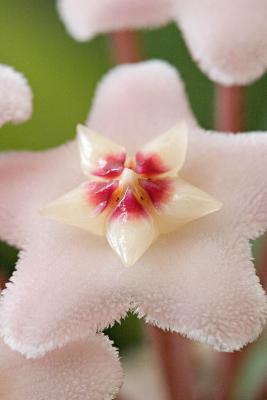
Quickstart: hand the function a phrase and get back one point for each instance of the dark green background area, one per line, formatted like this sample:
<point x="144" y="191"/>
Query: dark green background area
<point x="63" y="75"/>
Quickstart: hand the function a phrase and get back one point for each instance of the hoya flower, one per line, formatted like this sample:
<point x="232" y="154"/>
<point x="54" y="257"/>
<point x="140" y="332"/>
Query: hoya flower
<point x="198" y="280"/>
<point x="15" y="96"/>
<point x="84" y="370"/>
<point x="226" y="38"/>
<point x="135" y="198"/>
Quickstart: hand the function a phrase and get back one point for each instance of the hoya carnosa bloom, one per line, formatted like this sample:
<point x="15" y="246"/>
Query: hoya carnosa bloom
<point x="135" y="198"/>
<point x="198" y="280"/>
<point x="85" y="370"/>
<point x="15" y="96"/>
<point x="226" y="38"/>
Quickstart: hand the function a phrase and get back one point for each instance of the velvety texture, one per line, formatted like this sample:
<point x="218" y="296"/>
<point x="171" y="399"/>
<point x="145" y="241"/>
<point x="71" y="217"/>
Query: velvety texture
<point x="227" y="38"/>
<point x="84" y="370"/>
<point x="15" y="96"/>
<point x="199" y="281"/>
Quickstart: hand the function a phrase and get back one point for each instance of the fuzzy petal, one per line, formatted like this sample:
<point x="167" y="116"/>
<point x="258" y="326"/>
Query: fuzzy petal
<point x="201" y="283"/>
<point x="165" y="154"/>
<point x="85" y="19"/>
<point x="15" y="96"/>
<point x="84" y="370"/>
<point x="227" y="38"/>
<point x="68" y="284"/>
<point x="232" y="168"/>
<point x="28" y="182"/>
<point x="149" y="110"/>
<point x="99" y="155"/>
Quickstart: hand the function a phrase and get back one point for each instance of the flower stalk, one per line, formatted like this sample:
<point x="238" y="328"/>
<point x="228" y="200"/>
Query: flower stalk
<point x="229" y="108"/>
<point x="125" y="47"/>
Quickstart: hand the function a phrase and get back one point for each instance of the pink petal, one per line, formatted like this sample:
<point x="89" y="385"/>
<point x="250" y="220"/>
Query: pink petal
<point x="84" y="370"/>
<point x="202" y="284"/>
<point x="226" y="38"/>
<point x="149" y="109"/>
<point x="28" y="182"/>
<point x="232" y="168"/>
<point x="85" y="19"/>
<point x="68" y="284"/>
<point x="15" y="96"/>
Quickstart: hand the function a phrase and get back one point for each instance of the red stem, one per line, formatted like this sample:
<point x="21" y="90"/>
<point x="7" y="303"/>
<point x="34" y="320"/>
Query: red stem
<point x="262" y="263"/>
<point x="176" y="363"/>
<point x="228" y="367"/>
<point x="124" y="47"/>
<point x="229" y="108"/>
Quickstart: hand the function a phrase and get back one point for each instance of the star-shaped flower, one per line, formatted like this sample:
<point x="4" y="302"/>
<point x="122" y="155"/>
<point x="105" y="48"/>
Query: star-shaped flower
<point x="85" y="370"/>
<point x="226" y="38"/>
<point x="135" y="198"/>
<point x="199" y="280"/>
<point x="15" y="96"/>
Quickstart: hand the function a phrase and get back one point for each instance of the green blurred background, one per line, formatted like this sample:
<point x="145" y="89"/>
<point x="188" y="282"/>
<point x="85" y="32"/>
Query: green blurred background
<point x="63" y="75"/>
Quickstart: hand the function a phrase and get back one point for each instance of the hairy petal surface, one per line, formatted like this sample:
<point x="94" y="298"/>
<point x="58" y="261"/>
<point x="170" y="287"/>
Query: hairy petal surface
<point x="29" y="180"/>
<point x="131" y="110"/>
<point x="85" y="19"/>
<point x="68" y="284"/>
<point x="232" y="169"/>
<point x="15" y="96"/>
<point x="84" y="370"/>
<point x="226" y="38"/>
<point x="202" y="284"/>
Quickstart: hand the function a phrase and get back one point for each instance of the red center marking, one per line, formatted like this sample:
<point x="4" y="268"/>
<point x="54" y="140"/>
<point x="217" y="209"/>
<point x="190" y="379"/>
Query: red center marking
<point x="159" y="190"/>
<point x="111" y="166"/>
<point x="149" y="165"/>
<point x="129" y="207"/>
<point x="100" y="194"/>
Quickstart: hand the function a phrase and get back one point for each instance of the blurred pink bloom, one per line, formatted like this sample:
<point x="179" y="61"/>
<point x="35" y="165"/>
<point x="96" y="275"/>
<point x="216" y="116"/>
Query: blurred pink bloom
<point x="199" y="281"/>
<point x="15" y="96"/>
<point x="226" y="38"/>
<point x="84" y="370"/>
<point x="86" y="18"/>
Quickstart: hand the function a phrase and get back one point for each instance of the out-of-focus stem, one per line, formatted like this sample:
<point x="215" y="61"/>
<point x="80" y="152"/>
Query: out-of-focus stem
<point x="229" y="108"/>
<point x="176" y="363"/>
<point x="262" y="393"/>
<point x="228" y="367"/>
<point x="262" y="263"/>
<point x="124" y="47"/>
